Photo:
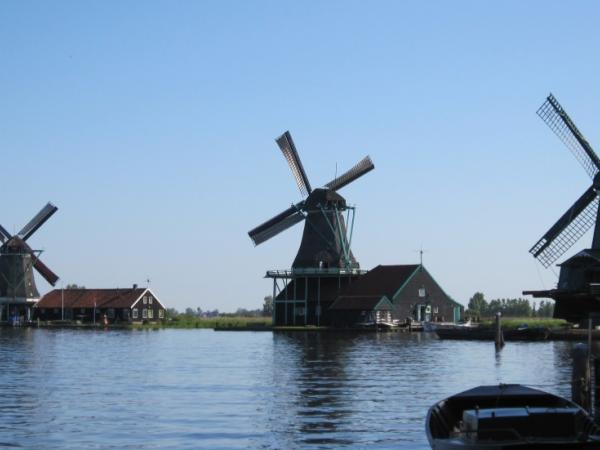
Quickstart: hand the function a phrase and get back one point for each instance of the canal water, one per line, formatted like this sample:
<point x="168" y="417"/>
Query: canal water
<point x="200" y="389"/>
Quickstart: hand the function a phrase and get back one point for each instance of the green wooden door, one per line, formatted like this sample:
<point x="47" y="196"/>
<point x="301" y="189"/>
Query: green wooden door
<point x="456" y="314"/>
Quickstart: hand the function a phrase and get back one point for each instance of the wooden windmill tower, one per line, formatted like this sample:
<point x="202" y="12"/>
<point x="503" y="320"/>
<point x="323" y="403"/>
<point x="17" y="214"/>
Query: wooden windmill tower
<point x="18" y="292"/>
<point x="324" y="261"/>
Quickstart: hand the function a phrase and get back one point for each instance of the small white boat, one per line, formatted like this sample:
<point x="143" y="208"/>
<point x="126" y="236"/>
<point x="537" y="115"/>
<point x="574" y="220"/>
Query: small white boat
<point x="434" y="326"/>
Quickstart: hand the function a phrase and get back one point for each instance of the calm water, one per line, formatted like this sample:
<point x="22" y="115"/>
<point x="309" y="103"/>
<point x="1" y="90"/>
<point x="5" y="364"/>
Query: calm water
<point x="204" y="389"/>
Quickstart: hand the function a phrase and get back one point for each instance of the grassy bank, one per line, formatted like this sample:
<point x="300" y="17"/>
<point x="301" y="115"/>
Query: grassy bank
<point x="182" y="321"/>
<point x="217" y="322"/>
<point x="531" y="322"/>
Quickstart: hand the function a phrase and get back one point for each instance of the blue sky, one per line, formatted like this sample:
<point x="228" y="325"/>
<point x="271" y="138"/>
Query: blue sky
<point x="151" y="126"/>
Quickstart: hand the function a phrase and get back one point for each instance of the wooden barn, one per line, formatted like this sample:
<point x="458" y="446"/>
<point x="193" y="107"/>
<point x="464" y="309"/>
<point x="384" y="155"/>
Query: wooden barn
<point x="98" y="305"/>
<point x="411" y="290"/>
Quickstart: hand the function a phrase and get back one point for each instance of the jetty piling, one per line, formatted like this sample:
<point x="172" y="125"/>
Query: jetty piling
<point x="499" y="339"/>
<point x="581" y="376"/>
<point x="596" y="389"/>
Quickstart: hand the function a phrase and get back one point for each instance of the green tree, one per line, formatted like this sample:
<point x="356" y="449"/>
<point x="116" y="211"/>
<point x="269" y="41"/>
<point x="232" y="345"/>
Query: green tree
<point x="510" y="307"/>
<point x="172" y="313"/>
<point x="74" y="286"/>
<point x="267" y="310"/>
<point x="243" y="312"/>
<point x="477" y="305"/>
<point x="545" y="309"/>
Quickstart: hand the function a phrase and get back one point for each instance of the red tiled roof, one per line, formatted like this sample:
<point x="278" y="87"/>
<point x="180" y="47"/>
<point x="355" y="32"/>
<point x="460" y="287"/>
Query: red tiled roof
<point x="380" y="281"/>
<point x="86" y="298"/>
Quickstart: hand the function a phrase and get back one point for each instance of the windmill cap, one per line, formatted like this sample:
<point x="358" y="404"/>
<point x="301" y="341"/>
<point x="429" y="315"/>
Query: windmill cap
<point x="323" y="196"/>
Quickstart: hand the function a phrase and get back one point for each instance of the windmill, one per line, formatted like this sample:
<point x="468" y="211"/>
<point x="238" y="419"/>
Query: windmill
<point x="17" y="260"/>
<point x="583" y="214"/>
<point x="325" y="242"/>
<point x="580" y="274"/>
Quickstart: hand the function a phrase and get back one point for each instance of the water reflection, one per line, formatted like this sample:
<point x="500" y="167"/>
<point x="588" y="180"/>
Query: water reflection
<point x="202" y="389"/>
<point x="318" y="406"/>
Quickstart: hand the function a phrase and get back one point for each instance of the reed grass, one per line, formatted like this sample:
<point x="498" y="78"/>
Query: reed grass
<point x="217" y="322"/>
<point x="531" y="322"/>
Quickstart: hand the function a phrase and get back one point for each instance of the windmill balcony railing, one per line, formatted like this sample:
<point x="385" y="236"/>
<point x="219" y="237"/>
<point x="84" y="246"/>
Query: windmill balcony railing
<point x="323" y="271"/>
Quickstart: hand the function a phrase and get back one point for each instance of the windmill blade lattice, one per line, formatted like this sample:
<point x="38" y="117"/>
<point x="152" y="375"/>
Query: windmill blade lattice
<point x="286" y="144"/>
<point x="567" y="230"/>
<point x="276" y="225"/>
<point x="363" y="166"/>
<point x="561" y="124"/>
<point x="45" y="272"/>
<point x="4" y="235"/>
<point x="298" y="212"/>
<point x="38" y="220"/>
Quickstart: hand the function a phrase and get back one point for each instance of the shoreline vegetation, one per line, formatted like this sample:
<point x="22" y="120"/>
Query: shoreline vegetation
<point x="265" y="323"/>
<point x="182" y="322"/>
<point x="511" y="323"/>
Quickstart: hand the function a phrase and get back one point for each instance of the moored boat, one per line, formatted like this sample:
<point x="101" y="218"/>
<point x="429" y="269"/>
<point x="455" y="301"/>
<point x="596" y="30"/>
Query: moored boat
<point x="434" y="326"/>
<point x="507" y="417"/>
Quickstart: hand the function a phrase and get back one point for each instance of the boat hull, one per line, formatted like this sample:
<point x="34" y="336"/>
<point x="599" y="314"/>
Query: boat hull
<point x="509" y="417"/>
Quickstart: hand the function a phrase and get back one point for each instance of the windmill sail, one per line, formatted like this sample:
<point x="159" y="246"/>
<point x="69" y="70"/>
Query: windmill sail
<point x="324" y="240"/>
<point x="45" y="272"/>
<point x="286" y="144"/>
<point x="573" y="224"/>
<point x="277" y="224"/>
<point x="363" y="166"/>
<point x="561" y="124"/>
<point x="37" y="221"/>
<point x="4" y="235"/>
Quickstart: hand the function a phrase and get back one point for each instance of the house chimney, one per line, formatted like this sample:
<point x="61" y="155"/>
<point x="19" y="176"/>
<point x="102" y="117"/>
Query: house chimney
<point x="134" y="286"/>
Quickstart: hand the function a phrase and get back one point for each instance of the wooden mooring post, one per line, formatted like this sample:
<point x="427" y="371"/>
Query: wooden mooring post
<point x="499" y="340"/>
<point x="596" y="389"/>
<point x="580" y="381"/>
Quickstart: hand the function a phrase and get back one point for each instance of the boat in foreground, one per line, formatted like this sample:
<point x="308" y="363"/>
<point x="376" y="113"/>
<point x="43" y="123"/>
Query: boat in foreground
<point x="509" y="416"/>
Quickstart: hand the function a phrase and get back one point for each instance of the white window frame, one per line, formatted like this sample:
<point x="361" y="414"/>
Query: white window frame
<point x="161" y="313"/>
<point x="144" y="313"/>
<point x="150" y="313"/>
<point x="134" y="313"/>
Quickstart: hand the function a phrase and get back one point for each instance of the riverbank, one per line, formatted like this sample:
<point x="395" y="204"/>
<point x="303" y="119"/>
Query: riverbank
<point x="180" y="322"/>
<point x="510" y="323"/>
